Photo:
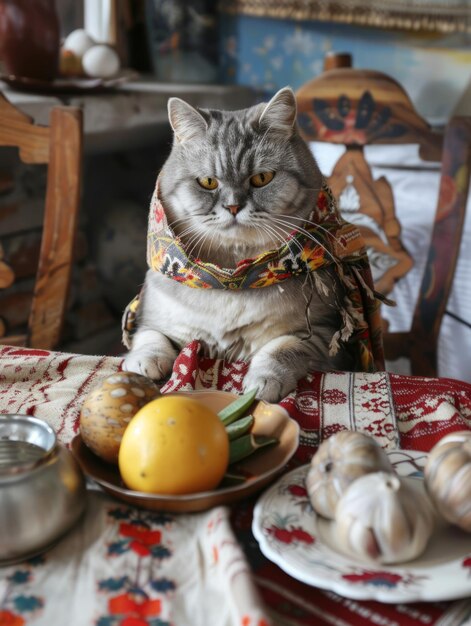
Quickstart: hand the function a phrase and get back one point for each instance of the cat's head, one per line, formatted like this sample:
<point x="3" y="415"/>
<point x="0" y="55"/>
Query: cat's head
<point x="237" y="180"/>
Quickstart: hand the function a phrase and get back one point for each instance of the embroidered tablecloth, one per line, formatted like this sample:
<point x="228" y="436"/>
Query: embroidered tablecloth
<point x="121" y="566"/>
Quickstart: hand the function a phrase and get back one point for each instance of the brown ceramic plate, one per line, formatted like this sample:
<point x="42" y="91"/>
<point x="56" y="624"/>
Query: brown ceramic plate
<point x="67" y="85"/>
<point x="260" y="468"/>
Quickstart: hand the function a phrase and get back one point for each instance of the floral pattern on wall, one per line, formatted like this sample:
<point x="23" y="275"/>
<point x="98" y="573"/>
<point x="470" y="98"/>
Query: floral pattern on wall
<point x="268" y="54"/>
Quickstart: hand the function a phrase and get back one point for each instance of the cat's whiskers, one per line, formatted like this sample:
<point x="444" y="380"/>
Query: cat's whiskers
<point x="215" y="232"/>
<point x="272" y="235"/>
<point x="256" y="220"/>
<point x="174" y="230"/>
<point x="194" y="239"/>
<point x="189" y="228"/>
<point x="202" y="243"/>
<point x="277" y="229"/>
<point x="262" y="225"/>
<point x="206" y="233"/>
<point x="274" y="231"/>
<point x="197" y="241"/>
<point x="186" y="230"/>
<point x="194" y="231"/>
<point x="285" y="232"/>
<point x="191" y="252"/>
<point x="179" y="219"/>
<point x="332" y="236"/>
<point x="307" y="234"/>
<point x="316" y="224"/>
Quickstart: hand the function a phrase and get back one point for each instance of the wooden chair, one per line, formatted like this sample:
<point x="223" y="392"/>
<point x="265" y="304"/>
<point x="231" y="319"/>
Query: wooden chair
<point x="59" y="147"/>
<point x="357" y="108"/>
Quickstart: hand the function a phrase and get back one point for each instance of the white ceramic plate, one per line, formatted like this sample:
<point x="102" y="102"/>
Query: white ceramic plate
<point x="303" y="545"/>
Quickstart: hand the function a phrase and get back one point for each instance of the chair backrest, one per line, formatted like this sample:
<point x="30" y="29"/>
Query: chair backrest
<point x="59" y="147"/>
<point x="358" y="108"/>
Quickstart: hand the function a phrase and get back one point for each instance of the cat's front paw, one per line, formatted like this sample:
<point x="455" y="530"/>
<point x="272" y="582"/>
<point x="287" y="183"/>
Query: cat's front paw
<point x="270" y="388"/>
<point x="154" y="366"/>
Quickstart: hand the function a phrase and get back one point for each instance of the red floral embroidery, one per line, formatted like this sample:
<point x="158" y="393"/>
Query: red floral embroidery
<point x="322" y="203"/>
<point x="139" y="548"/>
<point x="125" y="603"/>
<point x="334" y="396"/>
<point x="143" y="538"/>
<point x="29" y="352"/>
<point x="375" y="578"/>
<point x="297" y="490"/>
<point x="158" y="213"/>
<point x="286" y="535"/>
<point x="302" y="535"/>
<point x="129" y="604"/>
<point x="247" y="621"/>
<point x="7" y="618"/>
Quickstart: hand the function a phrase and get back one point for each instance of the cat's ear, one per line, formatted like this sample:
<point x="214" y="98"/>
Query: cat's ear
<point x="185" y="120"/>
<point x="280" y="112"/>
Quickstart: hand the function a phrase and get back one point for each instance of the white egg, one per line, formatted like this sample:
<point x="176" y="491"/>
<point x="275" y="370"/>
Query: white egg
<point x="78" y="42"/>
<point x="100" y="61"/>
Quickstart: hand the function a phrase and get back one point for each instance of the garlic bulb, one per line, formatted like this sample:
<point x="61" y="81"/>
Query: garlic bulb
<point x="448" y="478"/>
<point x="339" y="461"/>
<point x="383" y="518"/>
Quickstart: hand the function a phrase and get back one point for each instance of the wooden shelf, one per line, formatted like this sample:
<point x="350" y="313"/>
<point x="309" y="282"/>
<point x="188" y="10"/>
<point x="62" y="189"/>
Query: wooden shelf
<point x="132" y="115"/>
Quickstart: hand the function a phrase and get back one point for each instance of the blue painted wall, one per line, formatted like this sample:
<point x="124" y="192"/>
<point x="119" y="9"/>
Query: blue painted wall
<point x="269" y="54"/>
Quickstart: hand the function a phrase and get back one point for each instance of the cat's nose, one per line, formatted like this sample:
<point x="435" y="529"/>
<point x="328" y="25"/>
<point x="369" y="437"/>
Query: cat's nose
<point x="233" y="208"/>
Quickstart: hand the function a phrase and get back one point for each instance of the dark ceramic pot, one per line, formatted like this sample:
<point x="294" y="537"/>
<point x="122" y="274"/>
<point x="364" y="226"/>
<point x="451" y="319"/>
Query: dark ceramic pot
<point x="30" y="38"/>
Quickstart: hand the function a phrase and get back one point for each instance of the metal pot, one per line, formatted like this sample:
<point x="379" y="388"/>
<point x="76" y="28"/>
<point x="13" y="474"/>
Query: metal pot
<point x="42" y="489"/>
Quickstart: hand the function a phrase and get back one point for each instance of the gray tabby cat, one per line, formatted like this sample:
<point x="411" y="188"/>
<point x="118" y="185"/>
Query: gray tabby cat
<point x="235" y="184"/>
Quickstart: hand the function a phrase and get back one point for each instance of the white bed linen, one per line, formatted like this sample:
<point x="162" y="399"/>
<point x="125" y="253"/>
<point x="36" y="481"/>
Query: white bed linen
<point x="415" y="188"/>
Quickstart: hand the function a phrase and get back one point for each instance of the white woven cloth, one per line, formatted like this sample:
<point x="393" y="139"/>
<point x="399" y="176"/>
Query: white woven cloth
<point x="119" y="566"/>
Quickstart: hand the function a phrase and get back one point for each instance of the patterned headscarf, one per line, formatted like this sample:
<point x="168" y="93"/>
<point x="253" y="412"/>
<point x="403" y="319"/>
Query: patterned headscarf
<point x="333" y="243"/>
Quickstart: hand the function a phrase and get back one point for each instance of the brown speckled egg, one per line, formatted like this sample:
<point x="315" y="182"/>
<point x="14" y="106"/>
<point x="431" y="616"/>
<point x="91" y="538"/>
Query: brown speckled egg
<point x="109" y="408"/>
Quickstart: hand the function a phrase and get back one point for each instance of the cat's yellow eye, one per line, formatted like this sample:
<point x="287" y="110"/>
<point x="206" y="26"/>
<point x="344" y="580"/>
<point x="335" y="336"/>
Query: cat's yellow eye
<point x="208" y="182"/>
<point x="262" y="179"/>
